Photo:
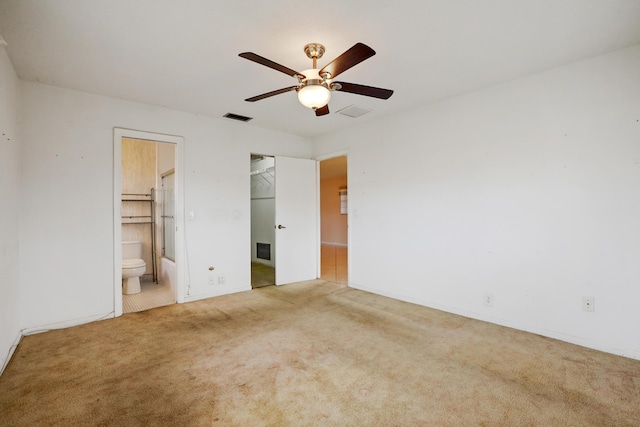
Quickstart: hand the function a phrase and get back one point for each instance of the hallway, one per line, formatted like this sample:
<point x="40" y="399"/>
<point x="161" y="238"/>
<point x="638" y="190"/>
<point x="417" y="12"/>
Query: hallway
<point x="333" y="259"/>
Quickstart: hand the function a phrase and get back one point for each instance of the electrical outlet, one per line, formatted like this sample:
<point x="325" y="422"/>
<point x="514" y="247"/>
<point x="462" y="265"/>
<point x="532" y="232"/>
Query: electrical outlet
<point x="589" y="304"/>
<point x="221" y="280"/>
<point x="488" y="299"/>
<point x="212" y="280"/>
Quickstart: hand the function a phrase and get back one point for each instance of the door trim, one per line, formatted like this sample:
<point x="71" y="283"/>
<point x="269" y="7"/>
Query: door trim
<point x="118" y="134"/>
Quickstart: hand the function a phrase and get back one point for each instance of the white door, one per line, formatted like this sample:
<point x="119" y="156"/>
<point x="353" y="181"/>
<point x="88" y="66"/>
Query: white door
<point x="296" y="224"/>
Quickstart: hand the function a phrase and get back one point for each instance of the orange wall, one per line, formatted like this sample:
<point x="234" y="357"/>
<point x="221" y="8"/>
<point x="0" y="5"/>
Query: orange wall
<point x="333" y="226"/>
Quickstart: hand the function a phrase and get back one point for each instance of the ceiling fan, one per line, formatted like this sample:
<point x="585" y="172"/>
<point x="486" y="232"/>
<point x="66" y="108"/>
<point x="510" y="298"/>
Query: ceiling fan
<point x="315" y="85"/>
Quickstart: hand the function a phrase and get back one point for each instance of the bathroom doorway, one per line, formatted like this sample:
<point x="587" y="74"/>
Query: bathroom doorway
<point x="334" y="208"/>
<point x="147" y="207"/>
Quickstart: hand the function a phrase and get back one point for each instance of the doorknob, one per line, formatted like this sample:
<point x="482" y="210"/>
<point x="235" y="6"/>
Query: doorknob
<point x="280" y="226"/>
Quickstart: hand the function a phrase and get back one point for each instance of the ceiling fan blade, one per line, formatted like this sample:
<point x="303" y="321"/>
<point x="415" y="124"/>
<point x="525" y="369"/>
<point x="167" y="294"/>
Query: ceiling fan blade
<point x="269" y="63"/>
<point x="322" y="111"/>
<point x="353" y="56"/>
<point x="272" y="93"/>
<point x="374" y="92"/>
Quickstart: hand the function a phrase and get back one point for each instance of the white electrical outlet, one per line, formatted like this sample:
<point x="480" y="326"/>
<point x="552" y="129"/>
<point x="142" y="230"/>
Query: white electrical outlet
<point x="589" y="304"/>
<point x="488" y="299"/>
<point x="212" y="280"/>
<point x="221" y="280"/>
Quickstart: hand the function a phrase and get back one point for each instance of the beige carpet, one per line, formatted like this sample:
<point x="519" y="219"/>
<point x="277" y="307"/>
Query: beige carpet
<point x="311" y="354"/>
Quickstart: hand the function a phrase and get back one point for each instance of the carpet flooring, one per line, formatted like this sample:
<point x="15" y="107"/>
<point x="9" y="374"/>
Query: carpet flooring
<point x="311" y="354"/>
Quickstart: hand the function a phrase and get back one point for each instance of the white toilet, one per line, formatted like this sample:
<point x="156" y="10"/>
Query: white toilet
<point x="133" y="266"/>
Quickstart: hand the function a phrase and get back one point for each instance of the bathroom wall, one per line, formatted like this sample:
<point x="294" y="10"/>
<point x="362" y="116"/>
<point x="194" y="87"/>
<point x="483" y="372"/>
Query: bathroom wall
<point x="263" y="208"/>
<point x="9" y="213"/>
<point x="333" y="225"/>
<point x="138" y="177"/>
<point x="66" y="272"/>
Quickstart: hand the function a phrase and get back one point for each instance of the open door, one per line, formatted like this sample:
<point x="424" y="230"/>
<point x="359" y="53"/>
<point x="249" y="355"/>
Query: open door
<point x="296" y="224"/>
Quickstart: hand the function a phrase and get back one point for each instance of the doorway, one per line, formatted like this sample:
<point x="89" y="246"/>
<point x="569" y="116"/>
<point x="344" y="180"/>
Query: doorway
<point x="284" y="218"/>
<point x="147" y="217"/>
<point x="263" y="218"/>
<point x="334" y="220"/>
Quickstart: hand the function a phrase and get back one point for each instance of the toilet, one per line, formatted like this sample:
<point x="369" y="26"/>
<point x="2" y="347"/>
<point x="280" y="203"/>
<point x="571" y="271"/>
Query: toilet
<point x="133" y="266"/>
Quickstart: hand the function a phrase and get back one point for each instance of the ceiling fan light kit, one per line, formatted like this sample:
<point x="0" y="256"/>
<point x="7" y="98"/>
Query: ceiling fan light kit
<point x="315" y="85"/>
<point x="314" y="96"/>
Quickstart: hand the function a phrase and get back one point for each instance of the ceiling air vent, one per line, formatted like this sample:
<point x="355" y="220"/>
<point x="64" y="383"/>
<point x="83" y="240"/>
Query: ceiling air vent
<point x="354" y="111"/>
<point x="237" y="117"/>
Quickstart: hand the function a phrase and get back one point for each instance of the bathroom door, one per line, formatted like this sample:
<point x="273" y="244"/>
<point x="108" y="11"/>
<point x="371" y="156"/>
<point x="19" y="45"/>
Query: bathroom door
<point x="296" y="226"/>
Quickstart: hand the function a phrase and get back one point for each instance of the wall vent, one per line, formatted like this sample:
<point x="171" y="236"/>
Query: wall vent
<point x="263" y="251"/>
<point x="353" y="111"/>
<point x="237" y="117"/>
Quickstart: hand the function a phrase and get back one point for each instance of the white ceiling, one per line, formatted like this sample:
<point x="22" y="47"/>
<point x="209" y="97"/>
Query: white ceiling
<point x="184" y="54"/>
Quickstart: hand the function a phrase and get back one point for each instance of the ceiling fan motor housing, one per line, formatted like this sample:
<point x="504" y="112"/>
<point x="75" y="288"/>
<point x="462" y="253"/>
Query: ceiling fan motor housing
<point x="312" y="77"/>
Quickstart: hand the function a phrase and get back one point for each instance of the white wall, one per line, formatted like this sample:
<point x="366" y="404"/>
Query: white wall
<point x="529" y="190"/>
<point x="9" y="219"/>
<point x="67" y="198"/>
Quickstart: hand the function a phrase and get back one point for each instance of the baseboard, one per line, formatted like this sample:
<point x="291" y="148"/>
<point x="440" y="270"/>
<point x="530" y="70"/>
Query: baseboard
<point x="580" y="341"/>
<point x="66" y="324"/>
<point x="12" y="350"/>
<point x="344" y="245"/>
<point x="216" y="293"/>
